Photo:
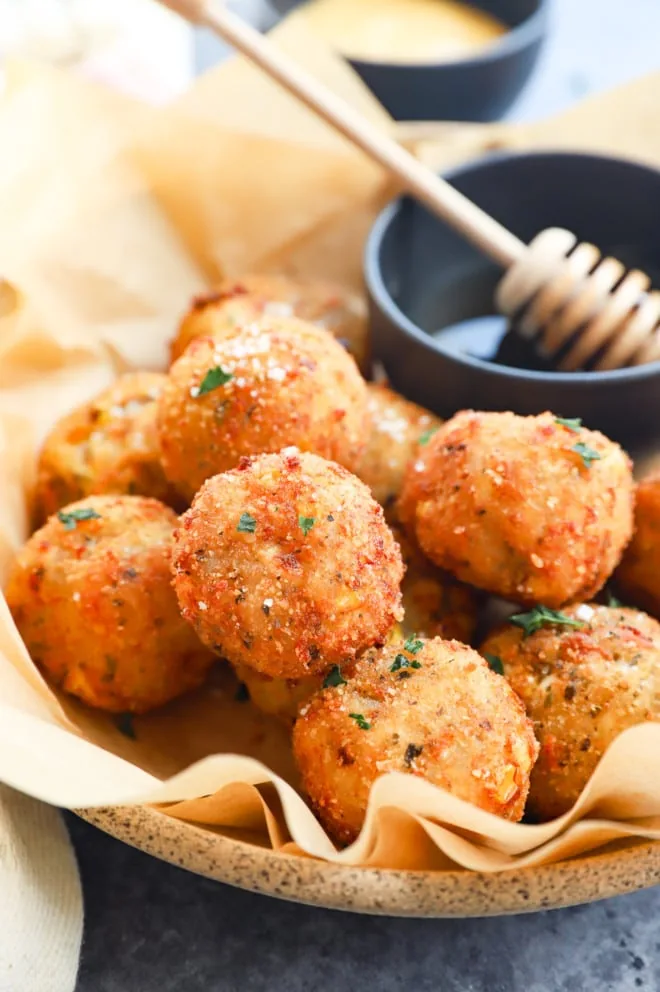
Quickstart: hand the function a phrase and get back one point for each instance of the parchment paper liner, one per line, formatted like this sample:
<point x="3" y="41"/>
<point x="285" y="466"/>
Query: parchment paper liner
<point x="114" y="214"/>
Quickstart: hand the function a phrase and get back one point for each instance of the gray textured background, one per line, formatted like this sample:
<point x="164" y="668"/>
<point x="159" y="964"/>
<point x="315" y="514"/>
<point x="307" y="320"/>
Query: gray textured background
<point x="154" y="928"/>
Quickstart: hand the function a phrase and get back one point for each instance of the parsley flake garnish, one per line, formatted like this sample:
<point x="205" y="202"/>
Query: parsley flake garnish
<point x="361" y="722"/>
<point x="306" y="524"/>
<point x="412" y="751"/>
<point x="413" y="645"/>
<point x="334" y="678"/>
<point x="572" y="423"/>
<point x="213" y="378"/>
<point x="494" y="663"/>
<point x="69" y="518"/>
<point x="247" y="524"/>
<point x="615" y="603"/>
<point x="587" y="454"/>
<point x="427" y="435"/>
<point x="541" y="616"/>
<point x="402" y="662"/>
<point x="124" y="724"/>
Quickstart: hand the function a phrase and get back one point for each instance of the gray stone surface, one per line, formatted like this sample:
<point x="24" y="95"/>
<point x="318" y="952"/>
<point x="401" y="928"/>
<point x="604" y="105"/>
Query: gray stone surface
<point x="154" y="928"/>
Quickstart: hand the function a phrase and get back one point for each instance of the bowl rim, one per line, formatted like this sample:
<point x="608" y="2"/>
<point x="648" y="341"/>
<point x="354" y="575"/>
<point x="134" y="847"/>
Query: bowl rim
<point x="379" y="293"/>
<point x="515" y="39"/>
<point x="589" y="877"/>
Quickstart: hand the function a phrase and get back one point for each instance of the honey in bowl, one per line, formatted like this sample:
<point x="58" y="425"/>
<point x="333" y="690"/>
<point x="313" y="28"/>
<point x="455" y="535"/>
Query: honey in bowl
<point x="403" y="31"/>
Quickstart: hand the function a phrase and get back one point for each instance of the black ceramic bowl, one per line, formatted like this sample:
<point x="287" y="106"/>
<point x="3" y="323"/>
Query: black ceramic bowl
<point x="476" y="89"/>
<point x="431" y="293"/>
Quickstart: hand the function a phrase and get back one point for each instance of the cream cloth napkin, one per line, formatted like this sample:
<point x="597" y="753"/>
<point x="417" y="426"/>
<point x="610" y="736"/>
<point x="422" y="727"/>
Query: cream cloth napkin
<point x="41" y="908"/>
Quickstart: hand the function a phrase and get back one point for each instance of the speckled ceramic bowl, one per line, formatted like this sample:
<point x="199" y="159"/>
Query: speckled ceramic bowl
<point x="611" y="872"/>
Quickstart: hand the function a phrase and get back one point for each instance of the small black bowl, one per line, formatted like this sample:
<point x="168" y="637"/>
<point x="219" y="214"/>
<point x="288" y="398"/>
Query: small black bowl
<point x="431" y="293"/>
<point x="480" y="88"/>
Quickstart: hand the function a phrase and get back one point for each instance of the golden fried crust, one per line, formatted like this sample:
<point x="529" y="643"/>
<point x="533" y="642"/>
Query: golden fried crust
<point x="109" y="445"/>
<point x="291" y="383"/>
<point x="283" y="697"/>
<point x="449" y="720"/>
<point x="581" y="687"/>
<point x="286" y="565"/>
<point x="434" y="603"/>
<point x="237" y="302"/>
<point x="93" y="601"/>
<point x="638" y="575"/>
<point x="510" y="505"/>
<point x="396" y="428"/>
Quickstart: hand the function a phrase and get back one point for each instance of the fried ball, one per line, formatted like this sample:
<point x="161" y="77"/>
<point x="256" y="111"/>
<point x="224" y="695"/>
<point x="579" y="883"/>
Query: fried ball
<point x="434" y="603"/>
<point x="274" y="383"/>
<point x="278" y="697"/>
<point x="436" y="711"/>
<point x="532" y="509"/>
<point x="638" y="575"/>
<point x="91" y="594"/>
<point x="283" y="698"/>
<point x="582" y="680"/>
<point x="398" y="427"/>
<point x="238" y="302"/>
<point x="109" y="445"/>
<point x="286" y="565"/>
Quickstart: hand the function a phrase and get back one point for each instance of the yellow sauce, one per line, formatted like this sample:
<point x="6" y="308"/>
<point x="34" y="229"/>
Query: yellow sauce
<point x="403" y="30"/>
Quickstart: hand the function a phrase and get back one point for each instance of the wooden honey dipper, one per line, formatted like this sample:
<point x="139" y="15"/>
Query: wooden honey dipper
<point x="580" y="309"/>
